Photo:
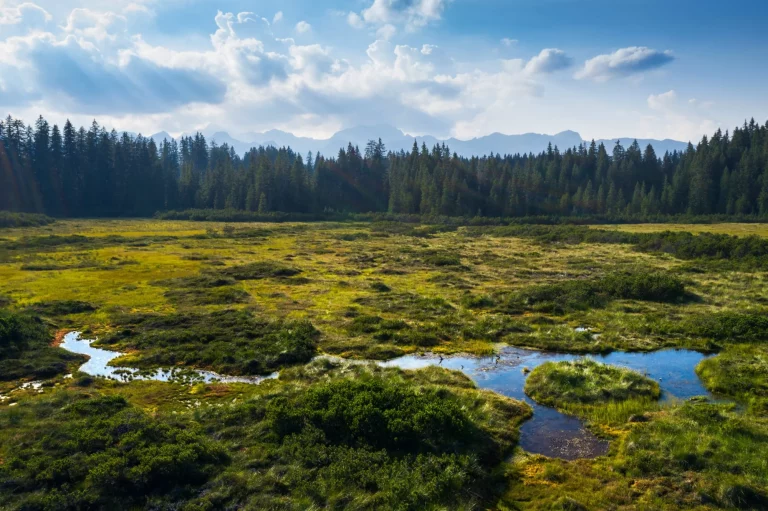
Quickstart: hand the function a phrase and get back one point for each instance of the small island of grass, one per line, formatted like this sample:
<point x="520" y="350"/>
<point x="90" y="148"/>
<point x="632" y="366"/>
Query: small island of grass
<point x="588" y="388"/>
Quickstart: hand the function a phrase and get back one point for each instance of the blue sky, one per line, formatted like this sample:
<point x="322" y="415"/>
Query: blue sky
<point x="465" y="68"/>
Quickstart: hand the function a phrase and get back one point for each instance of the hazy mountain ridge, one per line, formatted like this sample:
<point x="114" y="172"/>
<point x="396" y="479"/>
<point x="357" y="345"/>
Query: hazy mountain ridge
<point x="396" y="140"/>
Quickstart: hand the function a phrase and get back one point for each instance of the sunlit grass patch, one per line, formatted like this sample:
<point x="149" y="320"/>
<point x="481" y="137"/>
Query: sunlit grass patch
<point x="586" y="381"/>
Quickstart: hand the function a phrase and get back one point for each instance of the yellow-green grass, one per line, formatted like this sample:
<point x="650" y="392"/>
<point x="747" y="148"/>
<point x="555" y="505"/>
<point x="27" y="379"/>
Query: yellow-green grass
<point x="131" y="275"/>
<point x="731" y="229"/>
<point x="605" y="395"/>
<point x="124" y="276"/>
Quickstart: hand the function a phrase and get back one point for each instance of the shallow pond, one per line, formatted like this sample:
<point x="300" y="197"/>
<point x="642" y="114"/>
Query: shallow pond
<point x="98" y="365"/>
<point x="550" y="432"/>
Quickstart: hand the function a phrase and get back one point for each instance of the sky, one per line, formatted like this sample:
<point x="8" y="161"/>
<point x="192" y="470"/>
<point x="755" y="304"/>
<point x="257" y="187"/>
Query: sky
<point x="677" y="69"/>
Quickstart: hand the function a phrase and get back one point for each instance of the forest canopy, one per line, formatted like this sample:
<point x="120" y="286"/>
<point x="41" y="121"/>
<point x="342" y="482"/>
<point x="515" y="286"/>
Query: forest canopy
<point x="79" y="172"/>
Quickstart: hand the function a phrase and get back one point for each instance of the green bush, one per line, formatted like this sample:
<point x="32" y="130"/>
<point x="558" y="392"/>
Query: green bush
<point x="103" y="454"/>
<point x="8" y="219"/>
<point x="62" y="307"/>
<point x="575" y="295"/>
<point x="371" y="440"/>
<point x="229" y="341"/>
<point x="258" y="271"/>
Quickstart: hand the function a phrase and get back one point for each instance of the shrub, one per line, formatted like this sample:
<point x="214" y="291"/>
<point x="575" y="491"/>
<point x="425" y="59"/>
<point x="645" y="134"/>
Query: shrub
<point x="573" y="295"/>
<point x="62" y="307"/>
<point x="258" y="271"/>
<point x="8" y="219"/>
<point x="104" y="454"/>
<point x="25" y="350"/>
<point x="229" y="341"/>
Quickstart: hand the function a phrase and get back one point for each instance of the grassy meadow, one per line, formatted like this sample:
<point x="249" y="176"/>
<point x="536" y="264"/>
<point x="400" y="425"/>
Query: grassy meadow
<point x="253" y="298"/>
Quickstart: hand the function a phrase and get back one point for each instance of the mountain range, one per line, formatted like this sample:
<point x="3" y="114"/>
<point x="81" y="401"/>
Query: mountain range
<point x="395" y="140"/>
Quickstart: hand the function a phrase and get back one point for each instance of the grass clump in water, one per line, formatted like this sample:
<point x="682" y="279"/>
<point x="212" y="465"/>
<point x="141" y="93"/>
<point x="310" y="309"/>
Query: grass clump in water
<point x="586" y="381"/>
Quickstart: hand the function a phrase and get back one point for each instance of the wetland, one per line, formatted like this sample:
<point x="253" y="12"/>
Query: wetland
<point x="311" y="365"/>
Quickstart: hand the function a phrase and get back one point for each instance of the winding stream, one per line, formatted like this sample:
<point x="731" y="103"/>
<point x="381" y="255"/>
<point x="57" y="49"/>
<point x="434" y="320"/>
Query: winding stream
<point x="98" y="365"/>
<point x="549" y="432"/>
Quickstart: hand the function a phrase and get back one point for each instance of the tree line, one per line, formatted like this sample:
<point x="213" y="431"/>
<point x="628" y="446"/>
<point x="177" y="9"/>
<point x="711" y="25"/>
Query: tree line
<point x="79" y="172"/>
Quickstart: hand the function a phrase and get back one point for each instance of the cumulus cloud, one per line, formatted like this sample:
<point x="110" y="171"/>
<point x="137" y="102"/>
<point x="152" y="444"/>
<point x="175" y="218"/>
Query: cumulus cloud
<point x="624" y="62"/>
<point x="302" y="27"/>
<point x="278" y="17"/>
<point x="22" y="19"/>
<point x="411" y="14"/>
<point x="386" y="32"/>
<point x="548" y="61"/>
<point x="27" y="13"/>
<point x="92" y="63"/>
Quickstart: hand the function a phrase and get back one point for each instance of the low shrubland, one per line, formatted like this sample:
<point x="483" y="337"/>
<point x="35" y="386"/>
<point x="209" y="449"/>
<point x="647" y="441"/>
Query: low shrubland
<point x="11" y="220"/>
<point x="227" y="341"/>
<point x="72" y="451"/>
<point x="584" y="294"/>
<point x="325" y="436"/>
<point x="25" y="350"/>
<point x="721" y="251"/>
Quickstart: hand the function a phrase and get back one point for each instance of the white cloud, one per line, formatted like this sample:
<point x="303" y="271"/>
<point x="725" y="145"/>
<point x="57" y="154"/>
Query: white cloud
<point x="355" y="21"/>
<point x="302" y="27"/>
<point x="509" y="42"/>
<point x="412" y="14"/>
<point x="662" y="102"/>
<point x="548" y="61"/>
<point x="27" y="13"/>
<point x="94" y="64"/>
<point x="623" y="62"/>
<point x="676" y="120"/>
<point x="23" y="19"/>
<point x="278" y="17"/>
<point x="386" y="32"/>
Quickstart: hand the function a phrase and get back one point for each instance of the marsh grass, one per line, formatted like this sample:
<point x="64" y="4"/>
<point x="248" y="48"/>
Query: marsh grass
<point x="134" y="264"/>
<point x="585" y="381"/>
<point x="740" y="372"/>
<point x="227" y="341"/>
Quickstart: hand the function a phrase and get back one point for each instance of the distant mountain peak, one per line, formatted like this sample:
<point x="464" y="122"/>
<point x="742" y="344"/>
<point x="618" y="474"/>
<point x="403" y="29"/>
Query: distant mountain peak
<point x="396" y="140"/>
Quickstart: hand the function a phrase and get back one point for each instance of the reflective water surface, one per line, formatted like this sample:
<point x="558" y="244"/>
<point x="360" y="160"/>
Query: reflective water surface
<point x="549" y="432"/>
<point x="98" y="365"/>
